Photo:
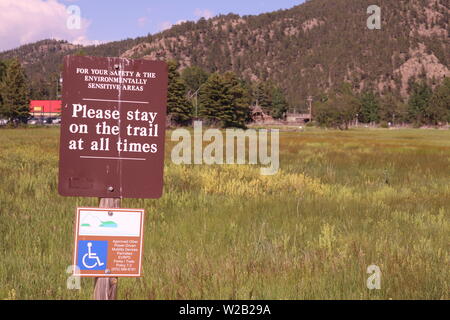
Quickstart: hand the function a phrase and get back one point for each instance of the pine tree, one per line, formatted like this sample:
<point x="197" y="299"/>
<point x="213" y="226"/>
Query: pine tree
<point x="369" y="108"/>
<point x="194" y="77"/>
<point x="338" y="109"/>
<point x="238" y="112"/>
<point x="15" y="94"/>
<point x="212" y="97"/>
<point x="224" y="101"/>
<point x="438" y="109"/>
<point x="262" y="96"/>
<point x="177" y="104"/>
<point x="2" y="76"/>
<point x="279" y="103"/>
<point x="418" y="101"/>
<point x="392" y="110"/>
<point x="2" y="70"/>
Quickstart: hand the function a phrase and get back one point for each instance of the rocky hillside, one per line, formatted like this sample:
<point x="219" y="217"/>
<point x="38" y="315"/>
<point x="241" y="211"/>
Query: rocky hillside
<point x="306" y="49"/>
<point x="317" y="45"/>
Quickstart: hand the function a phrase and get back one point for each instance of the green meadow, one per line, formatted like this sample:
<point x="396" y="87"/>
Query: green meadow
<point x="341" y="201"/>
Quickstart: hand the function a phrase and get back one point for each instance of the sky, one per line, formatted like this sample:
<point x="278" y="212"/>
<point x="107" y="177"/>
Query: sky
<point x="90" y="22"/>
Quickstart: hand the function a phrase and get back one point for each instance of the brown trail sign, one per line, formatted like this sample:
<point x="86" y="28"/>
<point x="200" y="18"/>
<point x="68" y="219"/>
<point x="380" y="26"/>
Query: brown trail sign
<point x="113" y="128"/>
<point x="112" y="135"/>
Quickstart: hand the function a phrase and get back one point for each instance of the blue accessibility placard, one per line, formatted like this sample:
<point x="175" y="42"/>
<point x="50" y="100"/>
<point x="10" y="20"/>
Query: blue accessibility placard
<point x="92" y="255"/>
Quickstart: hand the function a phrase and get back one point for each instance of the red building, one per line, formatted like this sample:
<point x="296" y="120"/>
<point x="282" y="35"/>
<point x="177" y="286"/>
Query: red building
<point x="45" y="108"/>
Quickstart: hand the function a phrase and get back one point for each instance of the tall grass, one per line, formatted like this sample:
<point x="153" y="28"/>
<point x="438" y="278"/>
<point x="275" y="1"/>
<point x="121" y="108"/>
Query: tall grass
<point x="341" y="201"/>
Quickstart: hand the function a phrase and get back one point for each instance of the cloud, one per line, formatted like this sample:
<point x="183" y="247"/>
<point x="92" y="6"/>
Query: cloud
<point x="23" y="22"/>
<point x="198" y="13"/>
<point x="142" y="21"/>
<point x="203" y="13"/>
<point x="167" y="25"/>
<point x="164" y="25"/>
<point x="82" y="40"/>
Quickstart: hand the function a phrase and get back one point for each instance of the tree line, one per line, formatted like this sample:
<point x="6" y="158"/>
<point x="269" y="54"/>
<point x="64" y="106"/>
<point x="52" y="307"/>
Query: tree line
<point x="425" y="106"/>
<point x="225" y="100"/>
<point x="220" y="99"/>
<point x="14" y="92"/>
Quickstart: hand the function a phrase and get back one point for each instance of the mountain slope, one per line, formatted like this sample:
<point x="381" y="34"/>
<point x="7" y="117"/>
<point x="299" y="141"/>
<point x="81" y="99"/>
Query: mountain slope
<point x="43" y="60"/>
<point x="307" y="49"/>
<point x="317" y="45"/>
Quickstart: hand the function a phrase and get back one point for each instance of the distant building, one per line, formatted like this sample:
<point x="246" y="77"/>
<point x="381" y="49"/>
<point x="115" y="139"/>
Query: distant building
<point x="301" y="118"/>
<point x="45" y="108"/>
<point x="259" y="116"/>
<point x="298" y="118"/>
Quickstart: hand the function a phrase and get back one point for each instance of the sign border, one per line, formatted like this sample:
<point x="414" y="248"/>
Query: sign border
<point x="75" y="248"/>
<point x="124" y="180"/>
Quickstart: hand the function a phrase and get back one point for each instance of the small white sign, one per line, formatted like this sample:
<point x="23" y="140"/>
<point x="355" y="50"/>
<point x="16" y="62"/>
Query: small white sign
<point x="108" y="242"/>
<point x="101" y="222"/>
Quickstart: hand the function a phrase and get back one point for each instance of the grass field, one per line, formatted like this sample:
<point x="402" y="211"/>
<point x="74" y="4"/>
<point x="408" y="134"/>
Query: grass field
<point x="341" y="201"/>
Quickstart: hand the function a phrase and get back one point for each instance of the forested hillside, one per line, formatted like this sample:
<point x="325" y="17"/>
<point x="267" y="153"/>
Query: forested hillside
<point x="306" y="50"/>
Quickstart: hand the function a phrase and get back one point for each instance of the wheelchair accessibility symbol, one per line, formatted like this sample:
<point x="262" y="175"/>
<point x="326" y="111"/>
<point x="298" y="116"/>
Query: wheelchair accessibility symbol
<point x="92" y="255"/>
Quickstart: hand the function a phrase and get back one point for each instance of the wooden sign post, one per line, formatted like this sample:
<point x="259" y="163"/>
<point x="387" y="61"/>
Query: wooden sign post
<point x="106" y="288"/>
<point x="112" y="147"/>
